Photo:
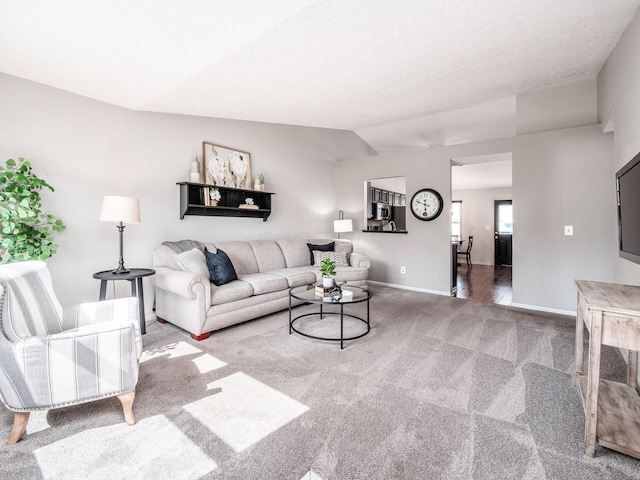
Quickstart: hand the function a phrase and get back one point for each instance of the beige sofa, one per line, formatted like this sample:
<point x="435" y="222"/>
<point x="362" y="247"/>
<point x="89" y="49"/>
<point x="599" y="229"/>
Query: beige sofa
<point x="266" y="270"/>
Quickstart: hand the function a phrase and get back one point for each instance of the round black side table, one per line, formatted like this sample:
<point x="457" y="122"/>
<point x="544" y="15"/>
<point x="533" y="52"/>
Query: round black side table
<point x="135" y="277"/>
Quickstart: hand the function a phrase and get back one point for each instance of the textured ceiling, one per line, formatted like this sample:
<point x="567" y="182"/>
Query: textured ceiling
<point x="379" y="67"/>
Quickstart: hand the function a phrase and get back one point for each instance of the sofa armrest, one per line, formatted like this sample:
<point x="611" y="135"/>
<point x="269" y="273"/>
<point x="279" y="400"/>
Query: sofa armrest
<point x="360" y="261"/>
<point x="185" y="284"/>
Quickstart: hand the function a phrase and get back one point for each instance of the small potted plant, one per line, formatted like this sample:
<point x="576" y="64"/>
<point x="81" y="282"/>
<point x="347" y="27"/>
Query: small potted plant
<point x="214" y="195"/>
<point x="327" y="270"/>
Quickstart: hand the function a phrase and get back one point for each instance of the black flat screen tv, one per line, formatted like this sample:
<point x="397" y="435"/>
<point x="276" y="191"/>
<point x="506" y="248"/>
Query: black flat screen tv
<point x="628" y="187"/>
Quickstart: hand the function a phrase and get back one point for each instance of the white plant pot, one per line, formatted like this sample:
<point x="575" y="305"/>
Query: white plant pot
<point x="327" y="282"/>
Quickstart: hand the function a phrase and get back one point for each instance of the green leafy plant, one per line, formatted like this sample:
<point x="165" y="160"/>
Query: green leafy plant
<point x="26" y="231"/>
<point x="328" y="268"/>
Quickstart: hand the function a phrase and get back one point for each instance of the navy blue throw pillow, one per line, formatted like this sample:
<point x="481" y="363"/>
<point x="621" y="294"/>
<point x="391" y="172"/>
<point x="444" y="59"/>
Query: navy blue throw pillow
<point x="327" y="247"/>
<point x="220" y="267"/>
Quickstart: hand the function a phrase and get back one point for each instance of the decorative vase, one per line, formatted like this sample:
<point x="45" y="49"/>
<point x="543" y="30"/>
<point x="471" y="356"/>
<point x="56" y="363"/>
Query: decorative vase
<point x="195" y="170"/>
<point x="327" y="282"/>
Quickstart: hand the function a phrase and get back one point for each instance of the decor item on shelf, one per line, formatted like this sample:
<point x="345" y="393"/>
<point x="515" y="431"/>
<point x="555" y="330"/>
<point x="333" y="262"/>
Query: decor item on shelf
<point x="342" y="225"/>
<point x="248" y="203"/>
<point x="259" y="183"/>
<point x="328" y="270"/>
<point x="120" y="210"/>
<point x="214" y="197"/>
<point x="26" y="230"/>
<point x="195" y="171"/>
<point x="226" y="167"/>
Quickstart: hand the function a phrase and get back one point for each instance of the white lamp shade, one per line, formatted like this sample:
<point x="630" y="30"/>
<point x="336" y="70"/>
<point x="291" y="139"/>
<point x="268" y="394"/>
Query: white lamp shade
<point x="120" y="209"/>
<point x="340" y="226"/>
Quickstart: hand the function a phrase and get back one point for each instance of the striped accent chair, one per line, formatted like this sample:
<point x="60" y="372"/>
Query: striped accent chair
<point x="52" y="356"/>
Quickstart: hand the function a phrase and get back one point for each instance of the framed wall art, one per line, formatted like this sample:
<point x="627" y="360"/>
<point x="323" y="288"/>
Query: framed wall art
<point x="226" y="167"/>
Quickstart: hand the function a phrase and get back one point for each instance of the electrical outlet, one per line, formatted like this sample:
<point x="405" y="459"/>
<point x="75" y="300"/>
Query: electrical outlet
<point x="568" y="230"/>
<point x="403" y="270"/>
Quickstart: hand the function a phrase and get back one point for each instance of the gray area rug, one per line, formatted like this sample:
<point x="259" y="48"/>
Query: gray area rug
<point x="440" y="388"/>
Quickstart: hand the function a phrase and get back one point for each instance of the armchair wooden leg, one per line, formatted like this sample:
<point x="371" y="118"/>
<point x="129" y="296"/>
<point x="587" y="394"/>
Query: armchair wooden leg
<point x="127" y="406"/>
<point x="20" y="420"/>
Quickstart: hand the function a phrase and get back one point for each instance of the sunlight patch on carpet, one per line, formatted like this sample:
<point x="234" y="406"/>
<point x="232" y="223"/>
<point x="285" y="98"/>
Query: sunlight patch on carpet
<point x="207" y="363"/>
<point x="311" y="475"/>
<point x="242" y="411"/>
<point x="153" y="448"/>
<point x="173" y="350"/>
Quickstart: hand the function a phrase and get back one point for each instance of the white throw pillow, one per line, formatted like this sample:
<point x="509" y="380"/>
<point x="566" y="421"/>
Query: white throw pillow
<point x="339" y="257"/>
<point x="193" y="261"/>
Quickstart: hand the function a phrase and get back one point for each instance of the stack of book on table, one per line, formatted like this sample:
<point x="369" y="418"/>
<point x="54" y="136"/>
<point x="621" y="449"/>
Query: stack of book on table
<point x="332" y="292"/>
<point x="326" y="292"/>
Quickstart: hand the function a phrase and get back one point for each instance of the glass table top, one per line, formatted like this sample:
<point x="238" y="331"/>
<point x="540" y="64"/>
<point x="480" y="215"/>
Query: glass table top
<point x="345" y="294"/>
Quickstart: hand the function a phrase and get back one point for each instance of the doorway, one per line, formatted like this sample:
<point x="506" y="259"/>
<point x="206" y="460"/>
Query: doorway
<point x="477" y="183"/>
<point x="503" y="232"/>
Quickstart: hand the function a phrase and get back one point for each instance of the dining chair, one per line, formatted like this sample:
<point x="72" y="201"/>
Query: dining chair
<point x="467" y="252"/>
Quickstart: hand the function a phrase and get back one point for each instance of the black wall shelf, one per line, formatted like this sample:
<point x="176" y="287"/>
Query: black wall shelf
<point x="192" y="202"/>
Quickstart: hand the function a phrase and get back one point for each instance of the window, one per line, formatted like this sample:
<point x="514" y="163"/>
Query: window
<point x="505" y="219"/>
<point x="456" y="220"/>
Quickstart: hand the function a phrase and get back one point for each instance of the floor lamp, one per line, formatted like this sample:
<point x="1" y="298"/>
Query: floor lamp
<point x="341" y="225"/>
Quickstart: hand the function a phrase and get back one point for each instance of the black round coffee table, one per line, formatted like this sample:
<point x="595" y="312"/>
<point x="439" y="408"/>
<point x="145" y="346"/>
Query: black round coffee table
<point x="350" y="295"/>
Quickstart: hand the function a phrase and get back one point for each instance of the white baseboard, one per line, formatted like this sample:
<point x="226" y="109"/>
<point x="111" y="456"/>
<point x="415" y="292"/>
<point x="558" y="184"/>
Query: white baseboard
<point x="414" y="289"/>
<point x="544" y="309"/>
<point x="448" y="294"/>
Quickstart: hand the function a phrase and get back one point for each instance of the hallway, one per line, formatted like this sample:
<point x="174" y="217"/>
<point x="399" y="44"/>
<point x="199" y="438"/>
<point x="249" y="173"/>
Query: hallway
<point x="485" y="283"/>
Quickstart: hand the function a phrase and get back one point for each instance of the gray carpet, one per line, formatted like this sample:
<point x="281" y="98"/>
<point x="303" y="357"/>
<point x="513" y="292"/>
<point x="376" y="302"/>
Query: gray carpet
<point x="440" y="388"/>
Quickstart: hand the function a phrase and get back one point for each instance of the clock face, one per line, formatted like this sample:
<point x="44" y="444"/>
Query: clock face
<point x="426" y="204"/>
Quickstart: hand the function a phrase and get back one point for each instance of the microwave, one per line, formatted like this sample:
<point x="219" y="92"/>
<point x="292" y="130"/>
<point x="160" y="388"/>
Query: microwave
<point x="383" y="211"/>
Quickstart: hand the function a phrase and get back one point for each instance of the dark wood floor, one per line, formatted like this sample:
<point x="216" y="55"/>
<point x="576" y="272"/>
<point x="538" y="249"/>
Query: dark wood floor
<point x="485" y="283"/>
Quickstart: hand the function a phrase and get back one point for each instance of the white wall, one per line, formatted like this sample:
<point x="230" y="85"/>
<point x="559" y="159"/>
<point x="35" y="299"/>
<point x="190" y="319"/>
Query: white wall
<point x="619" y="109"/>
<point x="563" y="177"/>
<point x="477" y="213"/>
<point x="87" y="149"/>
<point x="563" y="106"/>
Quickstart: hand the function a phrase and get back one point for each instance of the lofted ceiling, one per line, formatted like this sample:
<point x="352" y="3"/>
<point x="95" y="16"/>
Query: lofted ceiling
<point x="402" y="74"/>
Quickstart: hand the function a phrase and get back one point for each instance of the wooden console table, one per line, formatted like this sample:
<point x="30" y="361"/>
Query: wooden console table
<point x="612" y="410"/>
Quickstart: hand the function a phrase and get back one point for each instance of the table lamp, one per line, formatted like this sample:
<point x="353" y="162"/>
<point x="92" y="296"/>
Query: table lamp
<point x="341" y="225"/>
<point x="120" y="210"/>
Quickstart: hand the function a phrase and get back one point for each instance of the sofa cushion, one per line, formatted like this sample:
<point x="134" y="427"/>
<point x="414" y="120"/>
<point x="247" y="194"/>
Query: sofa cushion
<point x="327" y="247"/>
<point x="193" y="261"/>
<point x="296" y="276"/>
<point x="230" y="292"/>
<point x="344" y="246"/>
<point x="241" y="255"/>
<point x="351" y="273"/>
<point x="340" y="258"/>
<point x="295" y="252"/>
<point x="268" y="255"/>
<point x="163" y="256"/>
<point x="264" y="282"/>
<point x="220" y="267"/>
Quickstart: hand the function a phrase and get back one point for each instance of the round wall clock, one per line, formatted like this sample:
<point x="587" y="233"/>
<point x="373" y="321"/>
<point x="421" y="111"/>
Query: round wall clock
<point x="426" y="204"/>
